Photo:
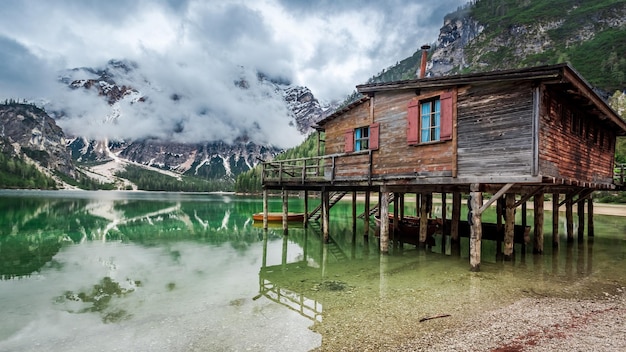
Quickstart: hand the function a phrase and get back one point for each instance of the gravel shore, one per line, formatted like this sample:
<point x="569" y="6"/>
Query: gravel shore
<point x="537" y="324"/>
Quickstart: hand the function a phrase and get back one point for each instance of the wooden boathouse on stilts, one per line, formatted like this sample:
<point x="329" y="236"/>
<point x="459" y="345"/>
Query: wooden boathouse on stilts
<point x="496" y="139"/>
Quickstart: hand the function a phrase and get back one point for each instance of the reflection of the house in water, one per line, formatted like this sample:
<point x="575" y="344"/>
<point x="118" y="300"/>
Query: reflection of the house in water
<point x="271" y="283"/>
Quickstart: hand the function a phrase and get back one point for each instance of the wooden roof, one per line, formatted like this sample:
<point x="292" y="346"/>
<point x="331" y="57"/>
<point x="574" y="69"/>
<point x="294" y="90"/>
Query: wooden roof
<point x="565" y="77"/>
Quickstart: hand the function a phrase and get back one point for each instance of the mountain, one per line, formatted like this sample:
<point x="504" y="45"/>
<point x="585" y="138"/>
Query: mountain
<point x="28" y="132"/>
<point x="212" y="160"/>
<point x="488" y="35"/>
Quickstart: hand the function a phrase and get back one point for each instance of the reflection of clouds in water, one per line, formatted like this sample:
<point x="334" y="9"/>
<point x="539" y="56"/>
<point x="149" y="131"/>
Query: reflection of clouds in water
<point x="204" y="224"/>
<point x="183" y="295"/>
<point x="225" y="220"/>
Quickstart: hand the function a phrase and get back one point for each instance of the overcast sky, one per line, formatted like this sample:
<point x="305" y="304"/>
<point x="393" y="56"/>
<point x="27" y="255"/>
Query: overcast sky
<point x="197" y="49"/>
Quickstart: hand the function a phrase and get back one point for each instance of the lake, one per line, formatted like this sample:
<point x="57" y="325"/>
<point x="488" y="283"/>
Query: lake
<point x="143" y="271"/>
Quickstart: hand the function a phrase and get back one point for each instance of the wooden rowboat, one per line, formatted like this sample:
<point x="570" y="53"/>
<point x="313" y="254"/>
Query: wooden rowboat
<point x="278" y="217"/>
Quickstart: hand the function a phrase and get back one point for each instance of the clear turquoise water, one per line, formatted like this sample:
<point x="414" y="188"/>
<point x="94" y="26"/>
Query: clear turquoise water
<point x="138" y="271"/>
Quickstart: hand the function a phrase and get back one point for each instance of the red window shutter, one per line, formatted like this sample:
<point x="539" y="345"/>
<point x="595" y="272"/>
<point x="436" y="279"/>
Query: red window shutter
<point x="412" y="130"/>
<point x="349" y="137"/>
<point x="446" y="116"/>
<point x="374" y="131"/>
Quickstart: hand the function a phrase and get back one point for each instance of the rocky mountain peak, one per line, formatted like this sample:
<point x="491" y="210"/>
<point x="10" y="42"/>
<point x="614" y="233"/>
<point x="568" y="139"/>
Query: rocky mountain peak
<point x="30" y="131"/>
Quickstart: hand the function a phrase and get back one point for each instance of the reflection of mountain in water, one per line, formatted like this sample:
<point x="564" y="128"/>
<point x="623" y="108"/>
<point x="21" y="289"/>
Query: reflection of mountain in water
<point x="33" y="230"/>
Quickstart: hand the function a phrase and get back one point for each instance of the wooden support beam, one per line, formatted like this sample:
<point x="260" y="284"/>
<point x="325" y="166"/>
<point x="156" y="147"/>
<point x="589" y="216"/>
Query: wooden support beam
<point x="569" y="221"/>
<point x="524" y="222"/>
<point x="401" y="205"/>
<point x="384" y="220"/>
<point x="285" y="195"/>
<point x="526" y="197"/>
<point x="265" y="209"/>
<point x="354" y="210"/>
<point x="570" y="197"/>
<point x="509" y="226"/>
<point x="325" y="214"/>
<point x="476" y="231"/>
<point x="367" y="213"/>
<point x="496" y="197"/>
<point x="444" y="229"/>
<point x="555" y="220"/>
<point x="581" y="220"/>
<point x="590" y="229"/>
<point x="423" y="220"/>
<point x="305" y="221"/>
<point x="456" y="216"/>
<point x="396" y="218"/>
<point x="538" y="236"/>
<point x="500" y="206"/>
<point x="584" y="195"/>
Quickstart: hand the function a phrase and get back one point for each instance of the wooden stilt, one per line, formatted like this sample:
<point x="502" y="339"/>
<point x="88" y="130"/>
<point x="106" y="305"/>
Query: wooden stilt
<point x="476" y="231"/>
<point x="401" y="205"/>
<point x="384" y="221"/>
<point x="353" y="211"/>
<point x="456" y="216"/>
<point x="380" y="202"/>
<point x="285" y="208"/>
<point x="423" y="220"/>
<point x="444" y="229"/>
<point x="367" y="213"/>
<point x="305" y="221"/>
<point x="524" y="223"/>
<point x="509" y="226"/>
<point x="325" y="214"/>
<point x="569" y="220"/>
<point x="265" y="209"/>
<point x="590" y="229"/>
<point x="396" y="217"/>
<point x="581" y="219"/>
<point x="500" y="207"/>
<point x="555" y="220"/>
<point x="418" y="203"/>
<point x="538" y="238"/>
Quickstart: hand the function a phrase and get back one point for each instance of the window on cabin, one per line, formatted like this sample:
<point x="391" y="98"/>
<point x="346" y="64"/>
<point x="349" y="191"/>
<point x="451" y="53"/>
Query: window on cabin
<point x="361" y="138"/>
<point x="430" y="120"/>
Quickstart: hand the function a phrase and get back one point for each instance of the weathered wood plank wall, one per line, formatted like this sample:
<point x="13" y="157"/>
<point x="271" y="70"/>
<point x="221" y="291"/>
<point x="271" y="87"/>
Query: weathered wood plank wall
<point x="583" y="153"/>
<point x="495" y="131"/>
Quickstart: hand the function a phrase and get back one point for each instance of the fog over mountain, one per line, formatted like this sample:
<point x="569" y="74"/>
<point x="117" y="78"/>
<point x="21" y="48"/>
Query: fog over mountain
<point x="197" y="63"/>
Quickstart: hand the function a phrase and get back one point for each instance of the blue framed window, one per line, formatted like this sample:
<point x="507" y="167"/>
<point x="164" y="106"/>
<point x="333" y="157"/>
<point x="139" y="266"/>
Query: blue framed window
<point x="361" y="138"/>
<point x="430" y="123"/>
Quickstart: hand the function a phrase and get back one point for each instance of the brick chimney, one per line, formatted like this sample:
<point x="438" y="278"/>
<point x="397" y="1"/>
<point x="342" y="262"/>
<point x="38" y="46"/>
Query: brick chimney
<point x="424" y="60"/>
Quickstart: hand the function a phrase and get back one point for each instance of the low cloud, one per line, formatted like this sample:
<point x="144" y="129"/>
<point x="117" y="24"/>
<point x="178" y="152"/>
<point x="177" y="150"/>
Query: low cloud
<point x="198" y="51"/>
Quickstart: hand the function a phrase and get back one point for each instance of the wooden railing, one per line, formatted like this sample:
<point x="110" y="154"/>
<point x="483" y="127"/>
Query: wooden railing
<point x="620" y="174"/>
<point x="316" y="169"/>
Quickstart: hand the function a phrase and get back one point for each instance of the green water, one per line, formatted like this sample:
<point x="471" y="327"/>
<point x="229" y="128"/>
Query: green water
<point x="138" y="271"/>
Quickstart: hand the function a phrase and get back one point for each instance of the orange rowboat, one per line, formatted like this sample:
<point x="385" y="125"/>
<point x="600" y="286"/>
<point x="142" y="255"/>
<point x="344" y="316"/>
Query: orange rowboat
<point x="278" y="217"/>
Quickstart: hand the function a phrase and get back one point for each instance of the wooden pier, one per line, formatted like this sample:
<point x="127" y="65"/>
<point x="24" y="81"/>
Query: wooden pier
<point x="497" y="139"/>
